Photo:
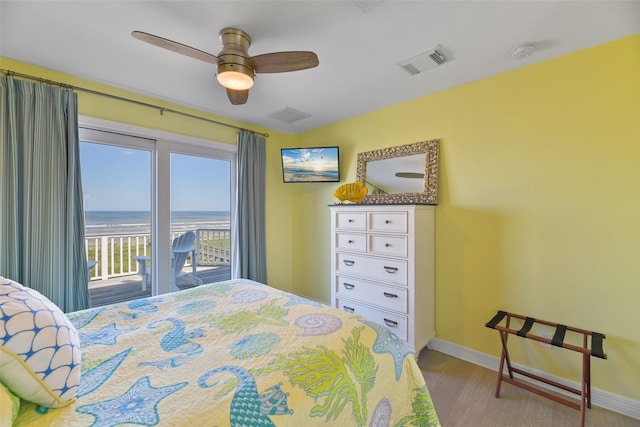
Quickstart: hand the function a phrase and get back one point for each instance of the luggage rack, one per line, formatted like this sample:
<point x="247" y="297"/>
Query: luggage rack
<point x="557" y="341"/>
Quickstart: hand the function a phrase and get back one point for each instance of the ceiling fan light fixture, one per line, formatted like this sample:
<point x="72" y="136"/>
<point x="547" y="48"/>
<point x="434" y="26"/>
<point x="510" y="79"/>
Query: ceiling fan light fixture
<point x="236" y="70"/>
<point x="235" y="76"/>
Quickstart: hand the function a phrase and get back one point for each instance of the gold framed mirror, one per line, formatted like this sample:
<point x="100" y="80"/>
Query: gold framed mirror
<point x="406" y="174"/>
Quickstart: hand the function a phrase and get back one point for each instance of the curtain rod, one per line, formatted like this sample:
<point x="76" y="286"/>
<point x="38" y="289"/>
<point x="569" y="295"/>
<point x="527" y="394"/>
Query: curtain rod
<point x="132" y="101"/>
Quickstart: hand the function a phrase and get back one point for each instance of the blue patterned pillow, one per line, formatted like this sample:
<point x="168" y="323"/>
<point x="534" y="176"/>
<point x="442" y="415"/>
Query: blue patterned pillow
<point x="39" y="347"/>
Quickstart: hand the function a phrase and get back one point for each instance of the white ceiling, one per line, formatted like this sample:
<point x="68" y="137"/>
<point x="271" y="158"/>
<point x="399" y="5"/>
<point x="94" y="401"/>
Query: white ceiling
<point x="359" y="45"/>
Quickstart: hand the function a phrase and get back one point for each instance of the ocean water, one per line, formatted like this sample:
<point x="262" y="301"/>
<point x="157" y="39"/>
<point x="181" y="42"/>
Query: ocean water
<point x="306" y="175"/>
<point x="99" y="223"/>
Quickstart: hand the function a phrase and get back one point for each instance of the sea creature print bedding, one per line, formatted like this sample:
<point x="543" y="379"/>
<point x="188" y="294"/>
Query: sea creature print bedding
<point x="237" y="353"/>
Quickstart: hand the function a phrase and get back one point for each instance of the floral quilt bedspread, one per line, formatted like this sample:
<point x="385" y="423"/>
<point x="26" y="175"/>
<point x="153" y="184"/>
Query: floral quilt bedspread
<point x="238" y="353"/>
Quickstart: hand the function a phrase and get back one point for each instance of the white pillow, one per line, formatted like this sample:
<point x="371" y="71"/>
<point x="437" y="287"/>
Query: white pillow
<point x="39" y="347"/>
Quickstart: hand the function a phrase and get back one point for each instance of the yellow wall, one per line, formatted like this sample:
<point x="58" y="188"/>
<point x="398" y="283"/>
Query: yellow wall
<point x="278" y="201"/>
<point x="539" y="205"/>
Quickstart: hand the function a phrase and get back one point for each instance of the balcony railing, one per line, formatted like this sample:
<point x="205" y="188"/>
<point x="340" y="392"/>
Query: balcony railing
<point x="114" y="255"/>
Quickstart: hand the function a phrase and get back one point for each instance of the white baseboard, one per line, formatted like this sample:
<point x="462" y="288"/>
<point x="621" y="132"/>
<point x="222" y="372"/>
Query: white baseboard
<point x="604" y="399"/>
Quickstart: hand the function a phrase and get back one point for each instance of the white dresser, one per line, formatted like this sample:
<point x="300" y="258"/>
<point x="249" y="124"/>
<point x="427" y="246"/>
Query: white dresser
<point x="382" y="267"/>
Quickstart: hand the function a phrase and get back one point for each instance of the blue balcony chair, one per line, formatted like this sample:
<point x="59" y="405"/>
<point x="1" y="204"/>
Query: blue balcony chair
<point x="182" y="246"/>
<point x="144" y="270"/>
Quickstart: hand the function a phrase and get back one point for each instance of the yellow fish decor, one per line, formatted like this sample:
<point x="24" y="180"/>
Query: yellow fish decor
<point x="353" y="192"/>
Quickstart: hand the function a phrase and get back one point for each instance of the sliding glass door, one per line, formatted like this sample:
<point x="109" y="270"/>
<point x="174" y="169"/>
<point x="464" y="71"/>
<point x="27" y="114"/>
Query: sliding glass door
<point x="200" y="211"/>
<point x="144" y="198"/>
<point x="117" y="172"/>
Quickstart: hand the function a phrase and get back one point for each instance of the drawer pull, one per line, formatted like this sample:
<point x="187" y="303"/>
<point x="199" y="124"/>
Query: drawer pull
<point x="387" y="245"/>
<point x="351" y="310"/>
<point x="348" y="286"/>
<point x="350" y="241"/>
<point x="349" y="262"/>
<point x="390" y="269"/>
<point x="349" y="220"/>
<point x="390" y="323"/>
<point x="387" y="221"/>
<point x="388" y="295"/>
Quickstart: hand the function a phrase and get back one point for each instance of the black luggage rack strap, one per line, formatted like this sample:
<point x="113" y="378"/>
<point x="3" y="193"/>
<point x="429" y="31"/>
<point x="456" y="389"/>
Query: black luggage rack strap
<point x="596" y="350"/>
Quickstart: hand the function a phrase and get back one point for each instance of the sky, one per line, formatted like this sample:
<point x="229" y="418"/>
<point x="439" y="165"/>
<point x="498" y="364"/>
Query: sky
<point x="119" y="179"/>
<point x="314" y="158"/>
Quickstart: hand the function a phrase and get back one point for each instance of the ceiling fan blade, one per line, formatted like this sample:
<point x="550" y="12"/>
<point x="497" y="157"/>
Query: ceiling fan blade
<point x="238" y="97"/>
<point x="409" y="175"/>
<point x="280" y="62"/>
<point x="176" y="47"/>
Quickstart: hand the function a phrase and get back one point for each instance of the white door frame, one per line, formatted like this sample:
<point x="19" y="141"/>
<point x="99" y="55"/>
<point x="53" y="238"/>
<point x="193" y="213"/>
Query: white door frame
<point x="165" y="144"/>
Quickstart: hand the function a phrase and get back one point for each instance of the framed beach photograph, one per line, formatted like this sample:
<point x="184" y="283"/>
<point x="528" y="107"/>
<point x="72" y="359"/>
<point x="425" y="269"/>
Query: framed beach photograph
<point x="314" y="164"/>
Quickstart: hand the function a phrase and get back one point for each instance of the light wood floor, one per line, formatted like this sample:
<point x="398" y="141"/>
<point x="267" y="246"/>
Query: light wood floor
<point x="463" y="394"/>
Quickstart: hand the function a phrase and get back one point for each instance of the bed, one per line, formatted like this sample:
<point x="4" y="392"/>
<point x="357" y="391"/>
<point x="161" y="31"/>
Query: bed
<point x="237" y="353"/>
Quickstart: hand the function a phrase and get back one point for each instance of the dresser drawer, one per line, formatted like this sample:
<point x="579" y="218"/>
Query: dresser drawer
<point x="389" y="222"/>
<point x="380" y="269"/>
<point x="396" y="323"/>
<point x="386" y="297"/>
<point x="351" y="242"/>
<point x="351" y="221"/>
<point x="385" y="244"/>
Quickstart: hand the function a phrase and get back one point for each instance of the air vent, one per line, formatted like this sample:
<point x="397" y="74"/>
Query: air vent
<point x="411" y="69"/>
<point x="289" y="115"/>
<point x="437" y="57"/>
<point x="424" y="61"/>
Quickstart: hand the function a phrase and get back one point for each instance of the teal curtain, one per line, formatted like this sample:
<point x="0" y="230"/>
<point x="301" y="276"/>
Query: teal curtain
<point x="249" y="242"/>
<point x="42" y="219"/>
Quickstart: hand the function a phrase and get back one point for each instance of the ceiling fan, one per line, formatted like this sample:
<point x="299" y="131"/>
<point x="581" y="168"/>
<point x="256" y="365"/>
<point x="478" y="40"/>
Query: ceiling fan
<point x="236" y="69"/>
